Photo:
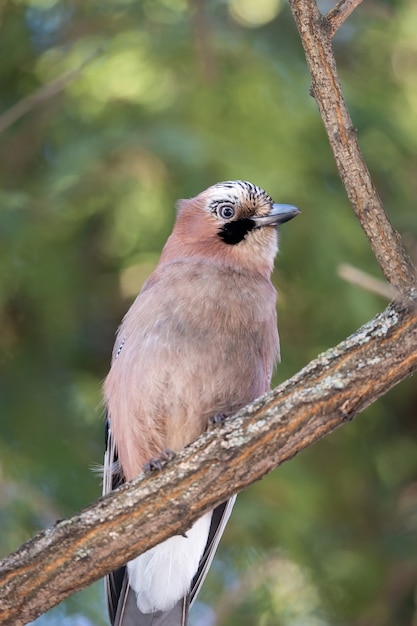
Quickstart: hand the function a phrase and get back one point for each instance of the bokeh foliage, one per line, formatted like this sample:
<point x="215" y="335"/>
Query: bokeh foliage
<point x="169" y="98"/>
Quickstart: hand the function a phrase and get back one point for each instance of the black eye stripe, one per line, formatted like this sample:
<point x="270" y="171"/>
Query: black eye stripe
<point x="234" y="232"/>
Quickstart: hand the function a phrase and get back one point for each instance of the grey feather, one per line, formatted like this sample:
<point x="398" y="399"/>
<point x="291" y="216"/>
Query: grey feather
<point x="128" y="614"/>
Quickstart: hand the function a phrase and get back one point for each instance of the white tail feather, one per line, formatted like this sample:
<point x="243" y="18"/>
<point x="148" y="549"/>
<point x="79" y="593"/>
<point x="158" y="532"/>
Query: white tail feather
<point x="163" y="575"/>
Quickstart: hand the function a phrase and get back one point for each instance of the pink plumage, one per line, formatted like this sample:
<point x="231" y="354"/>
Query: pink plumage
<point x="200" y="339"/>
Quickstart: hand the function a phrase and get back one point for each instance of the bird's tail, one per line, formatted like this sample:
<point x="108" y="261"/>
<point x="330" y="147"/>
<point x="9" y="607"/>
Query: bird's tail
<point x="121" y="599"/>
<point x="128" y="614"/>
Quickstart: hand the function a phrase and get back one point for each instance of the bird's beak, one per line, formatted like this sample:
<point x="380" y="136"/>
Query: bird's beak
<point x="278" y="214"/>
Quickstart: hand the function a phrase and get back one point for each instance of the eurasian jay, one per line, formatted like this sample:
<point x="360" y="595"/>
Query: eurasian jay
<point x="200" y="340"/>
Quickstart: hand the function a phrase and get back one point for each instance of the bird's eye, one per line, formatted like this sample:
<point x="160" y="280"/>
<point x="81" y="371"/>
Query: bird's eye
<point x="226" y="212"/>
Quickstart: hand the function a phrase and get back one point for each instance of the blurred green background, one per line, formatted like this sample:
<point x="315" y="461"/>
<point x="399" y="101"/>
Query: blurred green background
<point x="167" y="98"/>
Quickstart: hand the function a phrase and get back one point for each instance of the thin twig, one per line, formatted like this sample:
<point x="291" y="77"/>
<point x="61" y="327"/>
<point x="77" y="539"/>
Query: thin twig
<point x="384" y="240"/>
<point x="340" y="13"/>
<point x="366" y="281"/>
<point x="41" y="95"/>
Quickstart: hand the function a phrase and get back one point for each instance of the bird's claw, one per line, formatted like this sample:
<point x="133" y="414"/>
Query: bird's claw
<point x="218" y="419"/>
<point x="155" y="465"/>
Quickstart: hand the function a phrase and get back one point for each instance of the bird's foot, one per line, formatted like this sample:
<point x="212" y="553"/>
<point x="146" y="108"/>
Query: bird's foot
<point x="218" y="419"/>
<point x="154" y="465"/>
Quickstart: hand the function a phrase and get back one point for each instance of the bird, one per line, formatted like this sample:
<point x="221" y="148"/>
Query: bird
<point x="200" y="341"/>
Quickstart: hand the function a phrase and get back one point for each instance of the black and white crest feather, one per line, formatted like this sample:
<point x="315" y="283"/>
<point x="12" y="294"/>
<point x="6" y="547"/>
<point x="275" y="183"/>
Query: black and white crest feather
<point x="246" y="199"/>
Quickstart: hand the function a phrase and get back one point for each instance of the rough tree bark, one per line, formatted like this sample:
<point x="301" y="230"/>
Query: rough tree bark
<point x="331" y="390"/>
<point x="316" y="34"/>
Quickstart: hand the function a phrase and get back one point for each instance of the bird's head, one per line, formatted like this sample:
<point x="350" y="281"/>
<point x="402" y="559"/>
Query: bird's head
<point x="234" y="221"/>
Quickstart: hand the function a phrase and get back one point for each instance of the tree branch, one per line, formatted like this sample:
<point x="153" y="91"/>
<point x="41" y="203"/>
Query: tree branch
<point x="331" y="390"/>
<point x="366" y="281"/>
<point x="385" y="242"/>
<point x="340" y="13"/>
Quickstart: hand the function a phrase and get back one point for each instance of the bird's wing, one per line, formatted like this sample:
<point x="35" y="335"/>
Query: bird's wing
<point x="112" y="473"/>
<point x="114" y="583"/>
<point x="219" y="520"/>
